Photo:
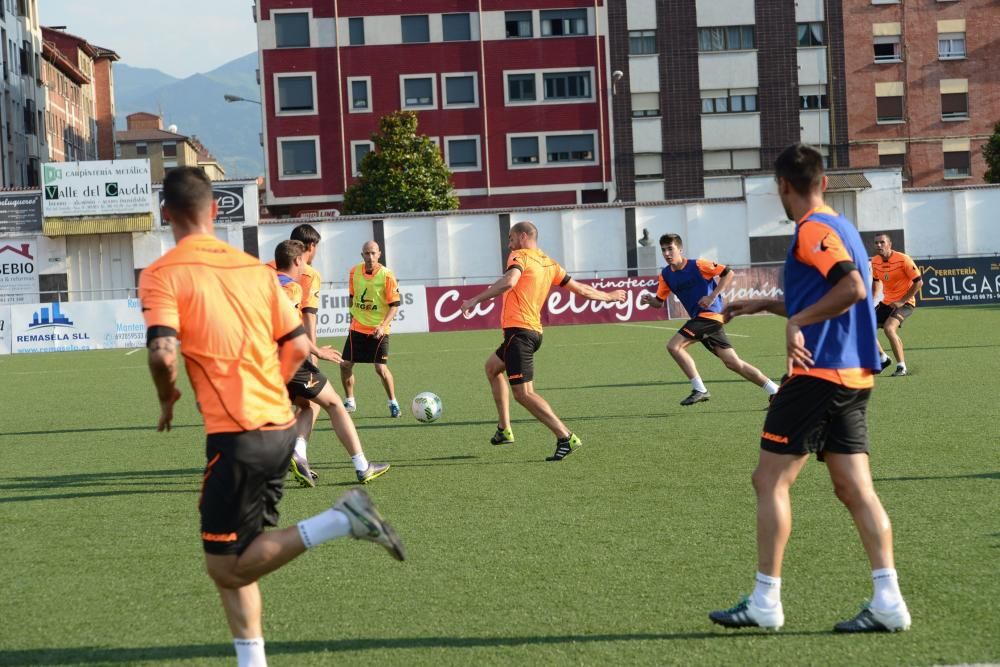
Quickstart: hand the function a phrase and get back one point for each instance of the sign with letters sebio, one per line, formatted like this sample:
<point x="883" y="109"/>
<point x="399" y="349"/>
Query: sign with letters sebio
<point x="18" y="271"/>
<point x="100" y="187"/>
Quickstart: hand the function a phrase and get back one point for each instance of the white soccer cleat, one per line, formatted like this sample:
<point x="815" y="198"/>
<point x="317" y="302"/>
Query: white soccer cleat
<point x="748" y="615"/>
<point x="368" y="524"/>
<point x="870" y="619"/>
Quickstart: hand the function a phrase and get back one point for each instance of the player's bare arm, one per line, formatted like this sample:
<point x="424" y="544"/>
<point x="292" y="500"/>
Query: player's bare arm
<point x="588" y="292"/>
<point x="753" y="306"/>
<point x="504" y="284"/>
<point x="162" y="359"/>
<point x="651" y="299"/>
<point x="291" y="353"/>
<point x="910" y="293"/>
<point x="722" y="283"/>
<point x="844" y="294"/>
<point x="326" y="353"/>
<point x="384" y="324"/>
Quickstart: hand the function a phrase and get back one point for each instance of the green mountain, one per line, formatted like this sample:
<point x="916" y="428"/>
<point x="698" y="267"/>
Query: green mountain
<point x="196" y="106"/>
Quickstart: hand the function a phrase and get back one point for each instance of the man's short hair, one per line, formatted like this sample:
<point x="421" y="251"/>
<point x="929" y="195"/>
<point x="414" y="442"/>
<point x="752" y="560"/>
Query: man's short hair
<point x="525" y="227"/>
<point x="885" y="234"/>
<point x="801" y="166"/>
<point x="187" y="191"/>
<point x="305" y="233"/>
<point x="667" y="239"/>
<point x="287" y="252"/>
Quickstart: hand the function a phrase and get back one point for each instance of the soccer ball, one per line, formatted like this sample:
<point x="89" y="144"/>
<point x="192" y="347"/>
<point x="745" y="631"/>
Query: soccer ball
<point x="426" y="407"/>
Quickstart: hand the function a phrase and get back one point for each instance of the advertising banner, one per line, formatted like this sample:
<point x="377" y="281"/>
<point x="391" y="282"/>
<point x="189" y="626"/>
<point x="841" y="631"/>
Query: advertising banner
<point x="959" y="282"/>
<point x="335" y="312"/>
<point x="20" y="213"/>
<point x="82" y="325"/>
<point x="563" y="307"/>
<point x="4" y="329"/>
<point x="18" y="271"/>
<point x="100" y="187"/>
<point x="229" y="198"/>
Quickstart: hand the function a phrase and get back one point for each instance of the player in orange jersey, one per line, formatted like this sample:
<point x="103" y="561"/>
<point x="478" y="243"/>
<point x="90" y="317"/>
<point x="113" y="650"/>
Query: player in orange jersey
<point x="242" y="341"/>
<point x="900" y="281"/>
<point x="524" y="285"/>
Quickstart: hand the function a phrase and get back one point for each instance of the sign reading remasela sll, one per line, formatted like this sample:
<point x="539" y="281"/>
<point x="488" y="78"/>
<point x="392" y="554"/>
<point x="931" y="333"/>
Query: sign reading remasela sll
<point x="100" y="187"/>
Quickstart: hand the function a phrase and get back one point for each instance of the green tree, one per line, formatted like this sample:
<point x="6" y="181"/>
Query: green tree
<point x="991" y="152"/>
<point x="405" y="172"/>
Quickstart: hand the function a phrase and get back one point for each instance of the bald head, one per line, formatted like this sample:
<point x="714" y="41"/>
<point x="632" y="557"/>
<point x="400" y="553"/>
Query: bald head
<point x="371" y="253"/>
<point x="525" y="228"/>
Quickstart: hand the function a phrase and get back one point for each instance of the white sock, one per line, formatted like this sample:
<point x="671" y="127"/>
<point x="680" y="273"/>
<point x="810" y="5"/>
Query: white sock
<point x="392" y="401"/>
<point x="883" y="357"/>
<point x="767" y="592"/>
<point x="323" y="527"/>
<point x="250" y="652"/>
<point x="902" y="365"/>
<point x="697" y="384"/>
<point x="300" y="446"/>
<point x="360" y="462"/>
<point x="349" y="400"/>
<point x="770" y="388"/>
<point x="886" y="595"/>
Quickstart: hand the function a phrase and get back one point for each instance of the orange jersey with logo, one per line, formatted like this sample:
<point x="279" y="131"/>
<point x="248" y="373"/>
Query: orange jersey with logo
<point x="896" y="275"/>
<point x="522" y="305"/>
<point x="310" y="282"/>
<point x="228" y="311"/>
<point x="818" y="245"/>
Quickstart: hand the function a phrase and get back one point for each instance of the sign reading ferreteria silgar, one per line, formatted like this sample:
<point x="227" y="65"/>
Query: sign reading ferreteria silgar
<point x="97" y="188"/>
<point x="959" y="282"/>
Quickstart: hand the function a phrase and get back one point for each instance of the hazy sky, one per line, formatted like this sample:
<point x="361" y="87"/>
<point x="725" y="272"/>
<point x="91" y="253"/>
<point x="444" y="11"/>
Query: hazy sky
<point x="179" y="37"/>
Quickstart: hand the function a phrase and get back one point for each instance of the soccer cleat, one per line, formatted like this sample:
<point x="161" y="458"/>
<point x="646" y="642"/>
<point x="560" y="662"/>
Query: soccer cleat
<point x="394" y="411"/>
<point x="748" y="615"/>
<point x="870" y="619"/>
<point x="300" y="470"/>
<point x="565" y="447"/>
<point x="374" y="470"/>
<point x="885" y="364"/>
<point x="696" y="397"/>
<point x="899" y="372"/>
<point x="350" y="405"/>
<point x="313" y="474"/>
<point x="503" y="436"/>
<point x="367" y="523"/>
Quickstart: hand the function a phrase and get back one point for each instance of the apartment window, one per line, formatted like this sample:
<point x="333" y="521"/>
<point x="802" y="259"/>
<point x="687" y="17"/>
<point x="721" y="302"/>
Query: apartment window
<point x="295" y="93"/>
<point x="951" y="46"/>
<point x="518" y="24"/>
<point x="814" y="98"/>
<point x="563" y="22"/>
<point x="645" y="105"/>
<point x="889" y="102"/>
<point x="521" y="87"/>
<point x="957" y="164"/>
<point x="291" y="29"/>
<point x="892" y="154"/>
<point x="887" y="49"/>
<point x="729" y="38"/>
<point x="810" y="34"/>
<point x="169" y="149"/>
<point x="641" y="42"/>
<point x="298" y="157"/>
<point x="359" y="91"/>
<point x="416" y="28"/>
<point x="460" y="90"/>
<point x="569" y="148"/>
<point x="455" y="27"/>
<point x="954" y="106"/>
<point x="462" y="153"/>
<point x="732" y="160"/>
<point x="359" y="149"/>
<point x="356" y="30"/>
<point x="524" y="150"/>
<point x="885" y="2"/>
<point x="648" y="166"/>
<point x="893" y="160"/>
<point x="729" y="101"/>
<point x="566" y="85"/>
<point x="418" y="92"/>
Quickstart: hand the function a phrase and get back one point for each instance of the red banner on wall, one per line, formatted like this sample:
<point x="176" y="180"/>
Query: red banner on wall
<point x="444" y="304"/>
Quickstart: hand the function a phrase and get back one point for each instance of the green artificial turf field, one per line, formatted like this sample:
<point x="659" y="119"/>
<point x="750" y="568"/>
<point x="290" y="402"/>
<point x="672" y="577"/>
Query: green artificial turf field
<point x="611" y="557"/>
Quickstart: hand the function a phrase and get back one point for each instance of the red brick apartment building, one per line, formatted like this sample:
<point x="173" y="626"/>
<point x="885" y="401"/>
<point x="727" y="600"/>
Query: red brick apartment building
<point x="515" y="92"/>
<point x="922" y="86"/>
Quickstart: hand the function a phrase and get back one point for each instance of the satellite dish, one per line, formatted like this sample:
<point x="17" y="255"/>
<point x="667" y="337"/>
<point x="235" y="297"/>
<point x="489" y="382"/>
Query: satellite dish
<point x="172" y="128"/>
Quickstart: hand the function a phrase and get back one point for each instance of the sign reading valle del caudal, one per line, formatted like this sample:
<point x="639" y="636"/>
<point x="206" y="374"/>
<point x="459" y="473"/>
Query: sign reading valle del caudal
<point x="100" y="187"/>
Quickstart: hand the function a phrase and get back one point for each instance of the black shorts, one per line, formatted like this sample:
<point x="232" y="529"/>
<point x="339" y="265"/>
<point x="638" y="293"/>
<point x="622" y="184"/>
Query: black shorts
<point x="243" y="482"/>
<point x="362" y="348"/>
<point x="810" y="415"/>
<point x="307" y="382"/>
<point x="518" y="353"/>
<point x="883" y="312"/>
<point x="709" y="332"/>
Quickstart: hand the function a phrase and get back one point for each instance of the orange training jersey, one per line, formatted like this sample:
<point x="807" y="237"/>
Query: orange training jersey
<point x="896" y="275"/>
<point x="522" y="305"/>
<point x="228" y="311"/>
<point x="292" y="290"/>
<point x="310" y="282"/>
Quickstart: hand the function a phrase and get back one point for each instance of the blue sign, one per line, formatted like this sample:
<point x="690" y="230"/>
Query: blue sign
<point x="959" y="282"/>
